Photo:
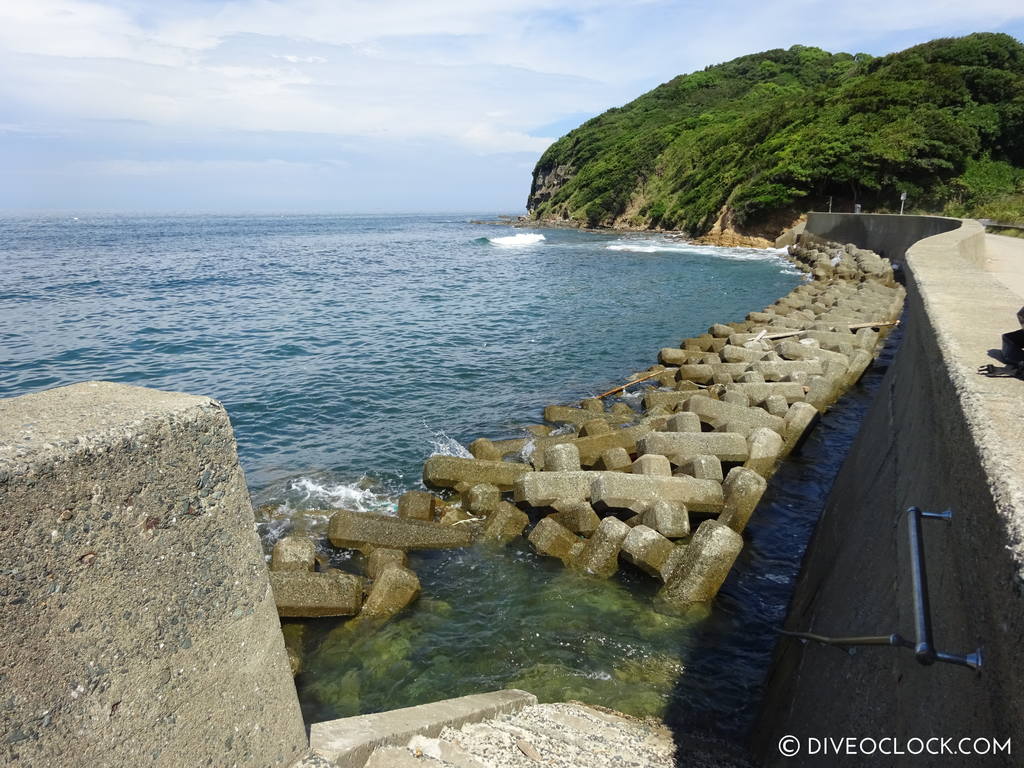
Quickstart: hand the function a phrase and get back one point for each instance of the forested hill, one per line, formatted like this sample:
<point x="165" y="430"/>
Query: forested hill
<point x="752" y="142"/>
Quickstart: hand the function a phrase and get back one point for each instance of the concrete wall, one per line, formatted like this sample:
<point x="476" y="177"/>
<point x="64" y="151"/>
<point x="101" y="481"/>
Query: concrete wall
<point x="139" y="627"/>
<point x="888" y="235"/>
<point x="939" y="435"/>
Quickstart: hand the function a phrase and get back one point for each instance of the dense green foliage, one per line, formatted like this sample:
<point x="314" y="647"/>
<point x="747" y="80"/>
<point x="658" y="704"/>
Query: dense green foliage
<point x="781" y="131"/>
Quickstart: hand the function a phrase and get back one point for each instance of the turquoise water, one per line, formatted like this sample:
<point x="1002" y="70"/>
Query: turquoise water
<point x="346" y="349"/>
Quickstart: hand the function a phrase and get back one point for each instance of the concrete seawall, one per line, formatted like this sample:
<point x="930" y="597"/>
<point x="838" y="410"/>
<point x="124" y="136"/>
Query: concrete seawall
<point x="939" y="435"/>
<point x="139" y="627"/>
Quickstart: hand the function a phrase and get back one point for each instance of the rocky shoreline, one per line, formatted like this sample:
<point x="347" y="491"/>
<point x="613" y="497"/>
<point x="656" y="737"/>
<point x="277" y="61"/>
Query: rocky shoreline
<point x="666" y="488"/>
<point x="720" y="236"/>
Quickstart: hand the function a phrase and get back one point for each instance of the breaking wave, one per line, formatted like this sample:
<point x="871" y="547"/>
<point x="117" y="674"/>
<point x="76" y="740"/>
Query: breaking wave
<point x="523" y="238"/>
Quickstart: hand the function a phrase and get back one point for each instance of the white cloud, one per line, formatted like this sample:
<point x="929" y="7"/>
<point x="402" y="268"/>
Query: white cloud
<point x="480" y="76"/>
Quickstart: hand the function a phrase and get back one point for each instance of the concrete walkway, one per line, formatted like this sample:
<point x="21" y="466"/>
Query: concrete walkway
<point x="1005" y="260"/>
<point x="569" y="735"/>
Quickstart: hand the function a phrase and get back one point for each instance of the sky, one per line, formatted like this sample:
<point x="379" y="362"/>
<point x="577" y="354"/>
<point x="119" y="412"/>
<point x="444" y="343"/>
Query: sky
<point x="367" y="105"/>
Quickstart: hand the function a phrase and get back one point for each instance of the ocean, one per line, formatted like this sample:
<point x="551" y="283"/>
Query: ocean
<point x="347" y="349"/>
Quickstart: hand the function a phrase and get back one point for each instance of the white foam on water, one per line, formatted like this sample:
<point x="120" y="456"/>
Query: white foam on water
<point x="657" y="245"/>
<point x="334" y="495"/>
<point x="523" y="238"/>
<point x="443" y="445"/>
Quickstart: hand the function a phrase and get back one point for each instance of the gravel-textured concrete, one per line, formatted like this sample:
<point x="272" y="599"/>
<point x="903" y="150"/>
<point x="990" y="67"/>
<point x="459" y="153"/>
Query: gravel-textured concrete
<point x="566" y="735"/>
<point x="139" y="626"/>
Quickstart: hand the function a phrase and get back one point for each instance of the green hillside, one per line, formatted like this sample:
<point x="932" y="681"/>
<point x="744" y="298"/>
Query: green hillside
<point x="765" y="136"/>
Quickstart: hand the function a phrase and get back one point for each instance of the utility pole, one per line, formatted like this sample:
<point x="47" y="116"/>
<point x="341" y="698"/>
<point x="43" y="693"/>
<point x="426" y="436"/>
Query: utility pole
<point x="903" y="200"/>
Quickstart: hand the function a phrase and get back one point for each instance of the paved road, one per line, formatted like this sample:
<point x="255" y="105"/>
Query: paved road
<point x="1006" y="261"/>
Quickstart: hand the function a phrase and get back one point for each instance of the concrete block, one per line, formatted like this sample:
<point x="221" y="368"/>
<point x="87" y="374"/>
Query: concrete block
<point x="507" y="522"/>
<point x="299" y="594"/>
<point x="543" y="489"/>
<point x="743" y="490"/>
<point x="594" y="404"/>
<point x="496" y="450"/>
<point x="393" y="589"/>
<point x="646" y="549"/>
<point x="704" y="467"/>
<point x="736" y="398"/>
<point x="551" y="538"/>
<point x="350" y="741"/>
<point x="565" y="414"/>
<point x="670" y="520"/>
<point x="672" y="562"/>
<point x="776" y="405"/>
<point x="578" y="517"/>
<point x="652" y="464"/>
<point x="564" y="457"/>
<point x="417" y="505"/>
<point x="766" y="447"/>
<point x="717" y="414"/>
<point x="448" y="471"/>
<point x="293" y="554"/>
<point x="482" y="499"/>
<point x="120" y="503"/>
<point x="595" y="427"/>
<point x="683" y="446"/>
<point x="354" y="530"/>
<point x="668" y="399"/>
<point x="623" y="491"/>
<point x="381" y="557"/>
<point x="739" y="354"/>
<point x="600" y="554"/>
<point x="683" y="422"/>
<point x="616" y="459"/>
<point x="758" y="393"/>
<point x="704" y="566"/>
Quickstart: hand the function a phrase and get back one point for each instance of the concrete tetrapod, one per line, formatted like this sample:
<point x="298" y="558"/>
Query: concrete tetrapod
<point x="704" y="566"/>
<point x="355" y="530"/>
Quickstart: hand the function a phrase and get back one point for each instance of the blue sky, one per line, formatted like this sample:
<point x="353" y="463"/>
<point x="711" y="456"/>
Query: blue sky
<point x="366" y="105"/>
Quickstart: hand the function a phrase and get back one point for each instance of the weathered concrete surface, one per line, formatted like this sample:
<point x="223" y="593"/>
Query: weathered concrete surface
<point x="354" y="530"/>
<point x="139" y="624"/>
<point x="939" y="435"/>
<point x="299" y="594"/>
<point x="1005" y="260"/>
<point x="348" y="742"/>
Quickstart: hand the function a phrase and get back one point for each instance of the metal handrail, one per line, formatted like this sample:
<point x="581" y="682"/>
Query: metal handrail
<point x="923" y="645"/>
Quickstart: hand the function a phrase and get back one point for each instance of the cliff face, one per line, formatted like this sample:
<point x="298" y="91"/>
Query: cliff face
<point x="739" y="149"/>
